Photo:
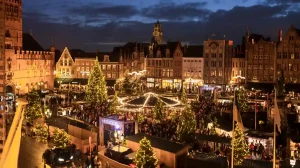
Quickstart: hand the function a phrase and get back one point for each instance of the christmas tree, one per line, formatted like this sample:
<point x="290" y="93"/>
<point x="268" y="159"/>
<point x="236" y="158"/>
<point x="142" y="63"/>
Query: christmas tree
<point x="187" y="124"/>
<point x="114" y="104"/>
<point x="128" y="87"/>
<point x="159" y="113"/>
<point x="41" y="133"/>
<point x="242" y="100"/>
<point x="214" y="126"/>
<point x="145" y="157"/>
<point x="34" y="108"/>
<point x="183" y="96"/>
<point x="96" y="92"/>
<point x="61" y="138"/>
<point x="240" y="146"/>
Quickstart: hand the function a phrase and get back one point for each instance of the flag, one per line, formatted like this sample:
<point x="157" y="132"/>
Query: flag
<point x="236" y="114"/>
<point x="277" y="119"/>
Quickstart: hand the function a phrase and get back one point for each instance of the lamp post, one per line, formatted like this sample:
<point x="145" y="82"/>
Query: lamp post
<point x="119" y="138"/>
<point x="18" y="87"/>
<point x="48" y="114"/>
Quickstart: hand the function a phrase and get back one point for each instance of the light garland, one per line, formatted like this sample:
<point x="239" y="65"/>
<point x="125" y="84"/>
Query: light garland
<point x="144" y="105"/>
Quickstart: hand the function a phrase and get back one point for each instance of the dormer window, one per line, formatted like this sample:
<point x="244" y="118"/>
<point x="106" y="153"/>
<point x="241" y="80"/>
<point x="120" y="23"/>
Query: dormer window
<point x="106" y="58"/>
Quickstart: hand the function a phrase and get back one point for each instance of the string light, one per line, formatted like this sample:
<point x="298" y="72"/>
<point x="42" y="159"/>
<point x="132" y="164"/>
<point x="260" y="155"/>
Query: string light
<point x="140" y="107"/>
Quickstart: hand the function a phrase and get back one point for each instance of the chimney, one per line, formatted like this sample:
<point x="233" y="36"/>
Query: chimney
<point x="252" y="41"/>
<point x="280" y="35"/>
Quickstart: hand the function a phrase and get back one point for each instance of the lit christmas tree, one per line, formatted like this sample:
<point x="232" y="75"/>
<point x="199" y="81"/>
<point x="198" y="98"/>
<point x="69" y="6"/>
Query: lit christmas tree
<point x="214" y="126"/>
<point x="159" y="113"/>
<point x="241" y="149"/>
<point x="128" y="87"/>
<point x="187" y="124"/>
<point x="61" y="138"/>
<point x="41" y="133"/>
<point x="34" y="108"/>
<point x="114" y="104"/>
<point x="96" y="92"/>
<point x="242" y="100"/>
<point x="184" y="99"/>
<point x="145" y="157"/>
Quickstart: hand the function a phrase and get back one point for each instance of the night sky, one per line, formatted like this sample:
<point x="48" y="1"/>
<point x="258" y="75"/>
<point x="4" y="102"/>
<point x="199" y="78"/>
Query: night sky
<point x="102" y="24"/>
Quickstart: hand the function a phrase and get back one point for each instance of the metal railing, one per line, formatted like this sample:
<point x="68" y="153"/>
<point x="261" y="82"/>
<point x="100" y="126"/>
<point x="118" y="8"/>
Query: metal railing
<point x="9" y="157"/>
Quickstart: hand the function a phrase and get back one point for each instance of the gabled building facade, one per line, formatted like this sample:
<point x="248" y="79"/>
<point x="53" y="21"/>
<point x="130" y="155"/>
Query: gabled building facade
<point x="217" y="61"/>
<point x="288" y="57"/>
<point x="74" y="66"/>
<point x="193" y="67"/>
<point x="260" y="55"/>
<point x="164" y="66"/>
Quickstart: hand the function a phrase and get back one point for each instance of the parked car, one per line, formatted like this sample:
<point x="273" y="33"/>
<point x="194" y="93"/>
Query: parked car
<point x="58" y="156"/>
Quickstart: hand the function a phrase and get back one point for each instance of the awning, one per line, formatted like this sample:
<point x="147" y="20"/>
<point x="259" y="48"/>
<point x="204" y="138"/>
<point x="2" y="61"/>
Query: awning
<point x="63" y="80"/>
<point x="80" y="81"/>
<point x="213" y="138"/>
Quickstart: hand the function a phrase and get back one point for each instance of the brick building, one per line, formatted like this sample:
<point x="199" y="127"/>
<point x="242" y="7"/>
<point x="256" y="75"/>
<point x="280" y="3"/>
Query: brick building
<point x="164" y="65"/>
<point x="217" y="61"/>
<point x="288" y="58"/>
<point x="74" y="66"/>
<point x="193" y="66"/>
<point x="260" y="55"/>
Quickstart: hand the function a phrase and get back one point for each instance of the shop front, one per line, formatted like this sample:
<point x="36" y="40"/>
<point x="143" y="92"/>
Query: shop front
<point x="167" y="83"/>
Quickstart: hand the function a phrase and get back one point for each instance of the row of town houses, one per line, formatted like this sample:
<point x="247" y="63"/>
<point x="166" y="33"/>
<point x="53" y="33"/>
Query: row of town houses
<point x="171" y="64"/>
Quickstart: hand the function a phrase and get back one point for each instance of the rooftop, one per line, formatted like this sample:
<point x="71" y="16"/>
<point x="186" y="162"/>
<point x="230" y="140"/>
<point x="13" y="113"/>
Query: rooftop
<point x="158" y="143"/>
<point x="30" y="43"/>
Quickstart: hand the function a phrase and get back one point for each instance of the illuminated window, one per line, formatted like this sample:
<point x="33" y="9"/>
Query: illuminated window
<point x="104" y="67"/>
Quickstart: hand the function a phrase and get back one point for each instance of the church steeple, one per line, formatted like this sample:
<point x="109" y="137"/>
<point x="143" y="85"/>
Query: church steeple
<point x="157" y="32"/>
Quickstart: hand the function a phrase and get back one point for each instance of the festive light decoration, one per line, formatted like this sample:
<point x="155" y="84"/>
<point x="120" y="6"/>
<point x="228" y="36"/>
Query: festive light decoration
<point x="159" y="113"/>
<point x="145" y="157"/>
<point x="61" y="138"/>
<point x="186" y="125"/>
<point x="41" y="133"/>
<point x="141" y="107"/>
<point x="34" y="108"/>
<point x="96" y="88"/>
<point x="114" y="104"/>
<point x="240" y="146"/>
<point x="184" y="96"/>
<point x="242" y="100"/>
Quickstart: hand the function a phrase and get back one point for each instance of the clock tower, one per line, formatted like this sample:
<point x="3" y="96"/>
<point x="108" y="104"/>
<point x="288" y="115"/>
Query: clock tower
<point x="157" y="33"/>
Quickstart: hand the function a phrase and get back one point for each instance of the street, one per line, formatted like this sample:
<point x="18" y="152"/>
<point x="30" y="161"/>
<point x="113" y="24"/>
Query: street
<point x="31" y="152"/>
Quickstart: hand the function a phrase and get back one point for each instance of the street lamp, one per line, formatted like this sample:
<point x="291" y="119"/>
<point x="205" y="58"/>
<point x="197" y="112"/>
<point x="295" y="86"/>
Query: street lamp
<point x="18" y="87"/>
<point x="119" y="138"/>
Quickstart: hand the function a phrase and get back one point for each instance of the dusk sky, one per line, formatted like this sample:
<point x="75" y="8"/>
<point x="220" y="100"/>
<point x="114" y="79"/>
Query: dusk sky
<point x="102" y="24"/>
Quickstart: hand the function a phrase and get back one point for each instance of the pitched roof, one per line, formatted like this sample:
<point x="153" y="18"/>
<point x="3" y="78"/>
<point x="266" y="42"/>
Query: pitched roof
<point x="171" y="46"/>
<point x="158" y="143"/>
<point x="30" y="43"/>
<point x="193" y="51"/>
<point x="256" y="37"/>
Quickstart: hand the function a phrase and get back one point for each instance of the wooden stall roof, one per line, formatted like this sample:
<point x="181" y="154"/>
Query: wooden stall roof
<point x="158" y="143"/>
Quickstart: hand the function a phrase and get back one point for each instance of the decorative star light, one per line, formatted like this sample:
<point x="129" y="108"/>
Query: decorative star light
<point x="138" y="108"/>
